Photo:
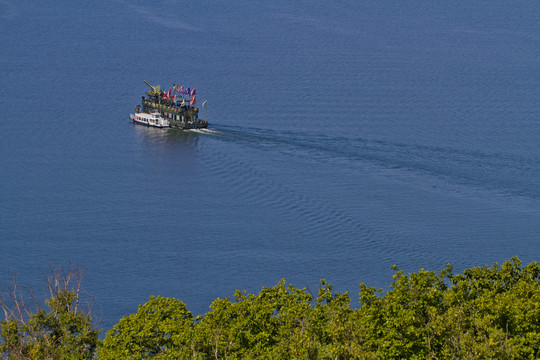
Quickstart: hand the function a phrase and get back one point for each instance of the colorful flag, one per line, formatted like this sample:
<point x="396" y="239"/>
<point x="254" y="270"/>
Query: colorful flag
<point x="181" y="89"/>
<point x="193" y="92"/>
<point x="204" y="104"/>
<point x="188" y="91"/>
<point x="192" y="101"/>
<point x="183" y="102"/>
<point x="169" y="94"/>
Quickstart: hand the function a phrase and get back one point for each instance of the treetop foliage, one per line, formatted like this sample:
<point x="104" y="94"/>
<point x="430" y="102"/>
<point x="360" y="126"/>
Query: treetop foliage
<point x="487" y="312"/>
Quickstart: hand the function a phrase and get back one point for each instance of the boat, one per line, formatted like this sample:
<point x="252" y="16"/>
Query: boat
<point x="172" y="110"/>
<point x="152" y="119"/>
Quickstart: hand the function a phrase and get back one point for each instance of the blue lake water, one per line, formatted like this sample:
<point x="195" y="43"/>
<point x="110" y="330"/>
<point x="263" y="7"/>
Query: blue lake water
<point x="344" y="137"/>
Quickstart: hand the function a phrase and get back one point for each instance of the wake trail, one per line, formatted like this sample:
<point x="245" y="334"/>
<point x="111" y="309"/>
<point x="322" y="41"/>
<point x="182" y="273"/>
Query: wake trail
<point x="490" y="176"/>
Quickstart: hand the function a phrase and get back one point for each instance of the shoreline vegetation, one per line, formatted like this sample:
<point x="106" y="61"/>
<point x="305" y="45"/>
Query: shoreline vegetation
<point x="486" y="312"/>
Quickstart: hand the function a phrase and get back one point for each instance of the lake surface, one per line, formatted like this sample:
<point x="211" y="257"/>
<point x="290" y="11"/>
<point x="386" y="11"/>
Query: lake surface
<point x="344" y="137"/>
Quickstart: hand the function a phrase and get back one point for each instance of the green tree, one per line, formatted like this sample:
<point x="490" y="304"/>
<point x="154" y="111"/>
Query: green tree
<point x="494" y="312"/>
<point x="484" y="313"/>
<point x="214" y="335"/>
<point x="333" y="325"/>
<point x="256" y="326"/>
<point x="161" y="328"/>
<point x="403" y="323"/>
<point x="62" y="330"/>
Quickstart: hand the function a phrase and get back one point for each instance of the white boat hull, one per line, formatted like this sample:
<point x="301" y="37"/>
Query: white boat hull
<point x="153" y="120"/>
